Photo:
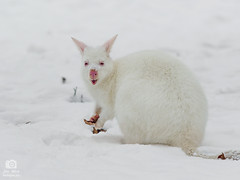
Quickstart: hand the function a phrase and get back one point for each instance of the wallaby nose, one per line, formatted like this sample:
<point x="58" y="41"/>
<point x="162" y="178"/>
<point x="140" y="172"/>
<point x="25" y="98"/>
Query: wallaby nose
<point x="93" y="74"/>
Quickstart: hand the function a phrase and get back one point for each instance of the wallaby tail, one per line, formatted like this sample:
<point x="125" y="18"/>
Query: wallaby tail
<point x="232" y="154"/>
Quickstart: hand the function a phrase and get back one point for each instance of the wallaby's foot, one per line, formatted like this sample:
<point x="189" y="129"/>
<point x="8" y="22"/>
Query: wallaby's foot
<point x="188" y="146"/>
<point x="92" y="120"/>
<point x="189" y="151"/>
<point x="96" y="131"/>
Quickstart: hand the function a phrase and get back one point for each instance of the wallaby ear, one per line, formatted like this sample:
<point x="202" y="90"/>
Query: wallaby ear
<point x="81" y="46"/>
<point x="108" y="45"/>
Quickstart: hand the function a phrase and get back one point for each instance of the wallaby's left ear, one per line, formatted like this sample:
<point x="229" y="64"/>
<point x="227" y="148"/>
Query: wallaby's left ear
<point x="81" y="46"/>
<point x="108" y="45"/>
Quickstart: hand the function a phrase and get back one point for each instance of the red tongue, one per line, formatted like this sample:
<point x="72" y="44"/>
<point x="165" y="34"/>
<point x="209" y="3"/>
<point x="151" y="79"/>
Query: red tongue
<point x="94" y="82"/>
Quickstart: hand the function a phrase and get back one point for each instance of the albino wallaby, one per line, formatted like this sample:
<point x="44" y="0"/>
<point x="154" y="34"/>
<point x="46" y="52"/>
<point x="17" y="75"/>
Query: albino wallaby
<point x="154" y="97"/>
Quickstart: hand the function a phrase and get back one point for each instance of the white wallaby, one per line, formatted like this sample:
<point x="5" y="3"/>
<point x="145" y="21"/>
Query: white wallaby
<point x="154" y="97"/>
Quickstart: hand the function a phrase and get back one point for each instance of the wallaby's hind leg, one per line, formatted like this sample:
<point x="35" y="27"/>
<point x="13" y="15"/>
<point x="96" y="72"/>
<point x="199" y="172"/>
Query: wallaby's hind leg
<point x="189" y="149"/>
<point x="189" y="143"/>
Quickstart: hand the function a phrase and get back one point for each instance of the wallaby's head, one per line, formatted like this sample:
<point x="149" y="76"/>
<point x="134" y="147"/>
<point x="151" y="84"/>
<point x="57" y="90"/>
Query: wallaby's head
<point x="96" y="62"/>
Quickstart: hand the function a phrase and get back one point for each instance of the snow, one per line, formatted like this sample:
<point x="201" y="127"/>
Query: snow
<point x="41" y="124"/>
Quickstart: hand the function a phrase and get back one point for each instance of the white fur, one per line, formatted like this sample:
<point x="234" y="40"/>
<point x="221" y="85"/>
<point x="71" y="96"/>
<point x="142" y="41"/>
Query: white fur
<point x="154" y="97"/>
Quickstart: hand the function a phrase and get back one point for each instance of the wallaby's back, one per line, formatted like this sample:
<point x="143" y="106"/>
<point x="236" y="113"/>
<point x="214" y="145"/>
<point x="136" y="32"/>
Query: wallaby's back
<point x="158" y="100"/>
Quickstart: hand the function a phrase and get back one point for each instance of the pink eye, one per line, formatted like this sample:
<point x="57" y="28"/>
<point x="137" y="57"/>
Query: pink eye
<point x="101" y="63"/>
<point x="86" y="63"/>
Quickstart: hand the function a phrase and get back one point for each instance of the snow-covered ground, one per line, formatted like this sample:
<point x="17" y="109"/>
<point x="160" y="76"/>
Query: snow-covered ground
<point x="41" y="128"/>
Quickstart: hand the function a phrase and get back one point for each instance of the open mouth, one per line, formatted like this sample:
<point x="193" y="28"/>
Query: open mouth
<point x="94" y="81"/>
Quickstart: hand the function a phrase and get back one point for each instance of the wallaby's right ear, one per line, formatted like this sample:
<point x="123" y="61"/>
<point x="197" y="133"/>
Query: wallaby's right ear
<point x="81" y="46"/>
<point x="108" y="45"/>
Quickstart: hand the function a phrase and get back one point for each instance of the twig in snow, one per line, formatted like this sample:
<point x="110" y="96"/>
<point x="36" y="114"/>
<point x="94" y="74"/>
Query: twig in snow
<point x="75" y="91"/>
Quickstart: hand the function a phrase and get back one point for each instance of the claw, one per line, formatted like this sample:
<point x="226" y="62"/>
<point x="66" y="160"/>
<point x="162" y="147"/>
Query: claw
<point x="88" y="122"/>
<point x="92" y="120"/>
<point x="96" y="131"/>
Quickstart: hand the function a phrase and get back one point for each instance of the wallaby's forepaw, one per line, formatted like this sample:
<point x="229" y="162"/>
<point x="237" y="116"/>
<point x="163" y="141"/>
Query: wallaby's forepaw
<point x="88" y="122"/>
<point x="92" y="120"/>
<point x="96" y="131"/>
